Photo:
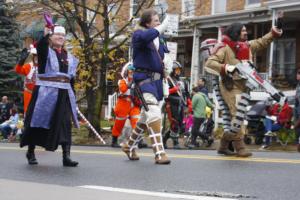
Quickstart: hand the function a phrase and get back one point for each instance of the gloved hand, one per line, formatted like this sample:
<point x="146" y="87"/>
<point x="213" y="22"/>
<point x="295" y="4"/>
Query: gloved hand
<point x="161" y="28"/>
<point x="229" y="69"/>
<point x="174" y="89"/>
<point x="165" y="88"/>
<point x="23" y="56"/>
<point x="168" y="64"/>
<point x="276" y="32"/>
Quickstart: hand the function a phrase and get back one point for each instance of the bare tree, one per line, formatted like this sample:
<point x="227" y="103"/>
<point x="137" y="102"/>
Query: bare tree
<point x="96" y="42"/>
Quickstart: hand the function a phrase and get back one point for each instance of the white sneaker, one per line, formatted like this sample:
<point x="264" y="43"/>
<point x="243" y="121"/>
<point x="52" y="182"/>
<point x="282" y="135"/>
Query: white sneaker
<point x="269" y="133"/>
<point x="264" y="147"/>
<point x="274" y="134"/>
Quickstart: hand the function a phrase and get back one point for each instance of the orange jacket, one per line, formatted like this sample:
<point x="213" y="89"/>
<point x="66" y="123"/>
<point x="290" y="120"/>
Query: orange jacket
<point x="26" y="70"/>
<point x="124" y="103"/>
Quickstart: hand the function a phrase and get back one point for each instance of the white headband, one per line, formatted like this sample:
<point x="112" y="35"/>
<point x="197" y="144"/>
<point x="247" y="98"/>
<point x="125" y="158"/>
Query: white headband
<point x="59" y="29"/>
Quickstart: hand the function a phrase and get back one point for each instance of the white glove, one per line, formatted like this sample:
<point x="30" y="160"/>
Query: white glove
<point x="272" y="117"/>
<point x="168" y="64"/>
<point x="165" y="88"/>
<point x="161" y="28"/>
<point x="229" y="68"/>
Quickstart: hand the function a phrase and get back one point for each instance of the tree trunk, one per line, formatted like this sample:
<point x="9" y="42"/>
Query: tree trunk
<point x="91" y="107"/>
<point x="95" y="100"/>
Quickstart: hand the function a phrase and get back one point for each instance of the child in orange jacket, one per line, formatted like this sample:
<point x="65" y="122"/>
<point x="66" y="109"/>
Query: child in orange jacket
<point x="126" y="107"/>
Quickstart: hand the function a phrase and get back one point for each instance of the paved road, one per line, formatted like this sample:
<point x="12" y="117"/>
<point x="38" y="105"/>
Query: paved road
<point x="105" y="172"/>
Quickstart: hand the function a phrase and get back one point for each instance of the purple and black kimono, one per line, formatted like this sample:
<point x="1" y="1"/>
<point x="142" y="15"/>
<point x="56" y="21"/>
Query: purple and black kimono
<point x="53" y="103"/>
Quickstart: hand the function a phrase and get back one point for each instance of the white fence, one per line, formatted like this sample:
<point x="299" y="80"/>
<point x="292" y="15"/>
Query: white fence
<point x="112" y="100"/>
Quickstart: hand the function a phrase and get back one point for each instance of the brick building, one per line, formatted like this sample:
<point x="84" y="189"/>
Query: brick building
<point x="258" y="16"/>
<point x="202" y="19"/>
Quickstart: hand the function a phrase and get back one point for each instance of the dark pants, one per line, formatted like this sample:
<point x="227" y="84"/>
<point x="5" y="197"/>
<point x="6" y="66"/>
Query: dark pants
<point x="176" y="108"/>
<point x="5" y="130"/>
<point x="195" y="130"/>
<point x="297" y="130"/>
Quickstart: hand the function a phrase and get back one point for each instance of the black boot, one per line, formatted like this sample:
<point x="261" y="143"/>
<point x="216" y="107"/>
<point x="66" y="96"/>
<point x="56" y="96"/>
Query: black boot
<point x="175" y="143"/>
<point x="114" y="142"/>
<point x="194" y="143"/>
<point x="67" y="162"/>
<point x="31" y="156"/>
<point x="210" y="141"/>
<point x="142" y="144"/>
<point x="165" y="138"/>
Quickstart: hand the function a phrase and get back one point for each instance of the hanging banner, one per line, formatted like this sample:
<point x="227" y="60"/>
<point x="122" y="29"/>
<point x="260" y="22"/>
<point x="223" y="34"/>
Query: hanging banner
<point x="173" y="25"/>
<point x="172" y="46"/>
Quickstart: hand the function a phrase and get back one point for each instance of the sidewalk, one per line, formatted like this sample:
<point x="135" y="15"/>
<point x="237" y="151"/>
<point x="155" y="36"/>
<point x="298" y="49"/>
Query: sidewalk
<point x="253" y="147"/>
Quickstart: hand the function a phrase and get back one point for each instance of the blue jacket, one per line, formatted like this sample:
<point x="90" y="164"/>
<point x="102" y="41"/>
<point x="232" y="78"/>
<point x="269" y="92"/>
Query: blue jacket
<point x="145" y="57"/>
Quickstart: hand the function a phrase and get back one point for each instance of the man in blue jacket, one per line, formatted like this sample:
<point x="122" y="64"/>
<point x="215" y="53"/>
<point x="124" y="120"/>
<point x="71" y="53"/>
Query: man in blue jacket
<point x="149" y="52"/>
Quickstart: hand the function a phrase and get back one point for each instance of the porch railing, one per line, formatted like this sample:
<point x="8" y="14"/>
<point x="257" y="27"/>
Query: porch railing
<point x="112" y="100"/>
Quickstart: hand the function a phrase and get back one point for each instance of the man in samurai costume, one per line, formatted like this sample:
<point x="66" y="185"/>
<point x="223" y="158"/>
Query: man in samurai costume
<point x="235" y="49"/>
<point x="53" y="104"/>
<point x="149" y="51"/>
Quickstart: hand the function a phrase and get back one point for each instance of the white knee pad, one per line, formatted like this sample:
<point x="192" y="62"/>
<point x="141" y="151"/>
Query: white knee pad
<point x="154" y="112"/>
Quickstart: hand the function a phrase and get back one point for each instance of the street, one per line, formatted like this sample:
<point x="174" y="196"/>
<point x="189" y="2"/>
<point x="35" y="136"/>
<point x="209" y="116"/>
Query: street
<point x="106" y="173"/>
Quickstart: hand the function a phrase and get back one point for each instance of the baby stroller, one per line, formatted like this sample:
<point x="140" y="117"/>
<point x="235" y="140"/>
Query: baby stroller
<point x="206" y="130"/>
<point x="255" y="127"/>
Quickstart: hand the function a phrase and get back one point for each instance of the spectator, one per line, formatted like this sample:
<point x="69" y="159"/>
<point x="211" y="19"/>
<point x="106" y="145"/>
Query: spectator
<point x="9" y="125"/>
<point x="188" y="121"/>
<point x="5" y="108"/>
<point x="202" y="86"/>
<point x="297" y="110"/>
<point x="199" y="102"/>
<point x="276" y="120"/>
<point x="17" y="132"/>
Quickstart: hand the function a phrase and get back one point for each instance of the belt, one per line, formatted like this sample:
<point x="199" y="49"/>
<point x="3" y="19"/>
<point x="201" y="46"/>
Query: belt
<point x="124" y="96"/>
<point x="27" y="90"/>
<point x="154" y="76"/>
<point x="127" y="97"/>
<point x="141" y="70"/>
<point x="61" y="79"/>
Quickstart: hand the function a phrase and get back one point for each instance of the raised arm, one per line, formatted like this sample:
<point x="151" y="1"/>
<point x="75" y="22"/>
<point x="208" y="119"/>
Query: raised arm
<point x="263" y="42"/>
<point x="42" y="50"/>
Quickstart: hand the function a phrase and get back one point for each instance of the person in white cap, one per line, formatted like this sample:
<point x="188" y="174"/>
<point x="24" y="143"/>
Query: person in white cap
<point x="53" y="104"/>
<point x="29" y="70"/>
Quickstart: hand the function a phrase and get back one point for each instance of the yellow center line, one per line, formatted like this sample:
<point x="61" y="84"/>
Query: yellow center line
<point x="181" y="156"/>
